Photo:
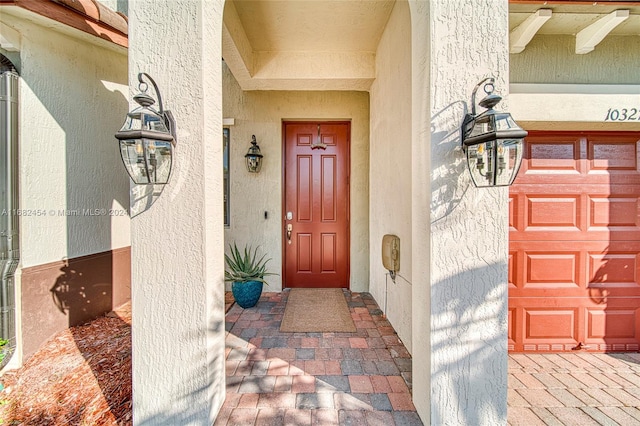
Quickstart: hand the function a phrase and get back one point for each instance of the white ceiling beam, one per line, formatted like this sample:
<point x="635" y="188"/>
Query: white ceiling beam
<point x="9" y="38"/>
<point x="523" y="33"/>
<point x="588" y="38"/>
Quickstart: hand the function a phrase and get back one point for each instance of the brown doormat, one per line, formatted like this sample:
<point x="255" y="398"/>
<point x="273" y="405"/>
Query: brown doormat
<point x="317" y="310"/>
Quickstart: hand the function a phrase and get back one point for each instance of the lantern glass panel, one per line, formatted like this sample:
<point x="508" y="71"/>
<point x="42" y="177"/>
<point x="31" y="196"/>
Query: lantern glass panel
<point x="480" y="159"/>
<point x="254" y="163"/>
<point x="504" y="121"/>
<point x="508" y="160"/>
<point x="481" y="125"/>
<point x="148" y="161"/>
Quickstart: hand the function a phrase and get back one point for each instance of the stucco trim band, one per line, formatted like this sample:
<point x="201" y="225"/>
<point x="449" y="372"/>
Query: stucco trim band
<point x="66" y="293"/>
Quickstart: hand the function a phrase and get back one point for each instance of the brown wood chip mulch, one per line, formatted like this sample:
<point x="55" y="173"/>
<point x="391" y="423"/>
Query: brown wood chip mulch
<point x="81" y="376"/>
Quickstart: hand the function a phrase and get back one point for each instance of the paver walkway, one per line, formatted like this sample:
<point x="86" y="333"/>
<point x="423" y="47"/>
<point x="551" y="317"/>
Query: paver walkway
<point x="364" y="378"/>
<point x="276" y="378"/>
<point x="574" y="389"/>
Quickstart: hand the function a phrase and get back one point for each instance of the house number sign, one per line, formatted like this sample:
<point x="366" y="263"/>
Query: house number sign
<point x="623" y="114"/>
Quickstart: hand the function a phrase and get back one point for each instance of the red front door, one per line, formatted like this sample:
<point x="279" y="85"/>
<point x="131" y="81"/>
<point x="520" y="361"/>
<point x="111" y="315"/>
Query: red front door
<point x="316" y="204"/>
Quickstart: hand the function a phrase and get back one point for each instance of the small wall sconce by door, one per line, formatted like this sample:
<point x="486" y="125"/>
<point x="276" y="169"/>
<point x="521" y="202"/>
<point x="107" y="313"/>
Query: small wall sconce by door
<point x="254" y="157"/>
<point x="147" y="138"/>
<point x="492" y="141"/>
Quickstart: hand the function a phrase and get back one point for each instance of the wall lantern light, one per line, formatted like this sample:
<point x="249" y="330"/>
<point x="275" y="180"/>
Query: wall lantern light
<point x="254" y="156"/>
<point x="492" y="141"/>
<point x="147" y="138"/>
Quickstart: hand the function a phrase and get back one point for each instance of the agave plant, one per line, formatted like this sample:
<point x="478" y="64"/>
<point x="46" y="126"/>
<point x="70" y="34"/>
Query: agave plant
<point x="244" y="266"/>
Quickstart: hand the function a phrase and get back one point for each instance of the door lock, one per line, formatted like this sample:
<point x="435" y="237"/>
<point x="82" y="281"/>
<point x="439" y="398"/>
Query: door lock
<point x="289" y="230"/>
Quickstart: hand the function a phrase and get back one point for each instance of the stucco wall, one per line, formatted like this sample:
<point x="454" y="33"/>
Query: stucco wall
<point x="177" y="243"/>
<point x="74" y="195"/>
<point x="390" y="174"/>
<point x="552" y="59"/>
<point x="469" y="229"/>
<point x="261" y="113"/>
<point x="553" y="88"/>
<point x="72" y="101"/>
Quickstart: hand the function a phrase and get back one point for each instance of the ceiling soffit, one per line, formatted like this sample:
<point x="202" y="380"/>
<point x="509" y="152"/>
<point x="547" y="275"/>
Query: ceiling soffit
<point x="331" y="44"/>
<point x="304" y="44"/>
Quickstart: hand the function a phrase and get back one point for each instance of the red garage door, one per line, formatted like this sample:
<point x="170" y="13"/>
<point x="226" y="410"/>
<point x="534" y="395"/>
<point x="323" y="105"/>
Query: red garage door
<point x="574" y="252"/>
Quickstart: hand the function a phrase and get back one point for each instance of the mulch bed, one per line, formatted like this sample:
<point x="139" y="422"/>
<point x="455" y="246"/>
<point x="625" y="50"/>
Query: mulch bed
<point x="81" y="376"/>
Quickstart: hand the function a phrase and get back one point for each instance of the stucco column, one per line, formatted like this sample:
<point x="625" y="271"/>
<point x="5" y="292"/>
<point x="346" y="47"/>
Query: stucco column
<point x="460" y="306"/>
<point x="177" y="242"/>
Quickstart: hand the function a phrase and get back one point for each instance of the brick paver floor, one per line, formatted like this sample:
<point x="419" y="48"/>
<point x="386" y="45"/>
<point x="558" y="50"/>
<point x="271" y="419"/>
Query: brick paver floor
<point x="364" y="378"/>
<point x="275" y="378"/>
<point x="574" y="389"/>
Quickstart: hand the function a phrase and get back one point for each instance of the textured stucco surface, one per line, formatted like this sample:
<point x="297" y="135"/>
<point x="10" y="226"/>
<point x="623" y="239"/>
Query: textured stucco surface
<point x="261" y="113"/>
<point x="574" y="107"/>
<point x="390" y="175"/>
<point x="552" y="59"/>
<point x="177" y="243"/>
<point x="72" y="100"/>
<point x="469" y="227"/>
<point x="556" y="89"/>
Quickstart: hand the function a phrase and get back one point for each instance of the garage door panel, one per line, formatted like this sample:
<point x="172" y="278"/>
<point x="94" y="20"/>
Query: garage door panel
<point x="557" y="325"/>
<point x="614" y="211"/>
<point x="613" y="269"/>
<point x="553" y="155"/>
<point x="513" y="268"/>
<point x="592" y="215"/>
<point x="556" y="211"/>
<point x="574" y="253"/>
<point x="513" y="212"/>
<point x="511" y="338"/>
<point x="614" y="266"/>
<point x="613" y="156"/>
<point x="611" y="324"/>
<point x="552" y="269"/>
<point x="545" y="330"/>
<point x="550" y="324"/>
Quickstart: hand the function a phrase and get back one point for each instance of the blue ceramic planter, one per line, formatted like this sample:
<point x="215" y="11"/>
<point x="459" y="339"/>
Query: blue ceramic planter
<point x="247" y="294"/>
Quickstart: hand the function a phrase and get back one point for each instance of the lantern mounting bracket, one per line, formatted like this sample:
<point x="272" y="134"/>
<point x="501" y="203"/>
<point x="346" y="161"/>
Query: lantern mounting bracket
<point x="143" y="99"/>
<point x="488" y="102"/>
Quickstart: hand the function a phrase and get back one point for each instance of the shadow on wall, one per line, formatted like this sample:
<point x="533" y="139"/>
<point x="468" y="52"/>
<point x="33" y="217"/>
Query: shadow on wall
<point x="84" y="289"/>
<point x="596" y="287"/>
<point x="94" y="277"/>
<point x="446" y="188"/>
<point x="469" y="307"/>
<point x="469" y="341"/>
<point x="143" y="197"/>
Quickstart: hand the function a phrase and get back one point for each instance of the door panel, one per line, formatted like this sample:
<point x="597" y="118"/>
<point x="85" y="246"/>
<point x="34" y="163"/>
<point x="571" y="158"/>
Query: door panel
<point x="316" y="248"/>
<point x="574" y="243"/>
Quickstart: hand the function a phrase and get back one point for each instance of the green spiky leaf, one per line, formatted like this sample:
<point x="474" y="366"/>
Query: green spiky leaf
<point x="244" y="266"/>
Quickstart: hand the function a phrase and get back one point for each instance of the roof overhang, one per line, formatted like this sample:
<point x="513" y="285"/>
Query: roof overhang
<point x="87" y="16"/>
